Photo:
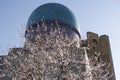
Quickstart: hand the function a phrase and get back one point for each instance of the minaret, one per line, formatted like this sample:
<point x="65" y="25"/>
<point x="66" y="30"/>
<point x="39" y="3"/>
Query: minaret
<point x="100" y="44"/>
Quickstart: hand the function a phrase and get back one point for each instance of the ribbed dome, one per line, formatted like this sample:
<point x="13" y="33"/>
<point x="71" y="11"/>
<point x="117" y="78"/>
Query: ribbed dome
<point x="53" y="11"/>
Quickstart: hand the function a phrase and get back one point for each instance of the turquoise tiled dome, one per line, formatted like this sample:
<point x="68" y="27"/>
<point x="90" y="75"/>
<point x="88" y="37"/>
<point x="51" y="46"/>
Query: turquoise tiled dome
<point x="53" y="11"/>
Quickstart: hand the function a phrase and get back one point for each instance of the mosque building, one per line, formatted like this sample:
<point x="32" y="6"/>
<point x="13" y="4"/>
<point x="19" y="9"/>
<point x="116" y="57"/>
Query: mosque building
<point x="56" y="17"/>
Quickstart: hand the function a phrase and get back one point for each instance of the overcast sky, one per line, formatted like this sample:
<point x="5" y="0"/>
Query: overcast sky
<point x="99" y="16"/>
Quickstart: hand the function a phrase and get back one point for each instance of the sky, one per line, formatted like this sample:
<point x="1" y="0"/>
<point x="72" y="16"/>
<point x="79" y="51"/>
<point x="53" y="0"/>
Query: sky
<point x="99" y="16"/>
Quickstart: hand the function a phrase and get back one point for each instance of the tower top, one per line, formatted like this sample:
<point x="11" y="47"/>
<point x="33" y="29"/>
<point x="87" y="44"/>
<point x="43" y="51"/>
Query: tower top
<point x="52" y="12"/>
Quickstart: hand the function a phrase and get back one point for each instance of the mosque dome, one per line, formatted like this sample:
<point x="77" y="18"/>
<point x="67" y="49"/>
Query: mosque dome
<point x="51" y="12"/>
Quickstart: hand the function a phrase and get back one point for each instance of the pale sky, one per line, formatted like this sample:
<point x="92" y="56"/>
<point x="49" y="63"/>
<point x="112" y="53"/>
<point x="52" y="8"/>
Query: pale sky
<point x="99" y="16"/>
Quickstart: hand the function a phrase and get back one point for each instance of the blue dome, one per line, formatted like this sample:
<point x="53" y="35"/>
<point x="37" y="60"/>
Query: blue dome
<point x="53" y="11"/>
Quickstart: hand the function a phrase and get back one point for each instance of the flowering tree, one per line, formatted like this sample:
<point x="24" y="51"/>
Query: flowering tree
<point x="98" y="68"/>
<point x="51" y="56"/>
